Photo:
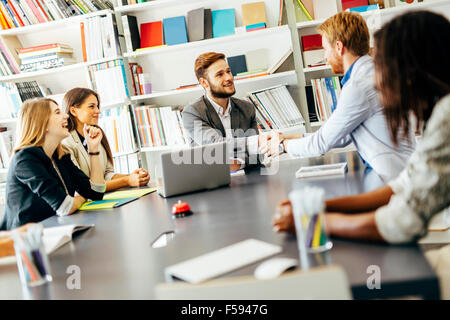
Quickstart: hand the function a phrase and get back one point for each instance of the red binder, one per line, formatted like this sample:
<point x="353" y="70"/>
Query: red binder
<point x="151" y="34"/>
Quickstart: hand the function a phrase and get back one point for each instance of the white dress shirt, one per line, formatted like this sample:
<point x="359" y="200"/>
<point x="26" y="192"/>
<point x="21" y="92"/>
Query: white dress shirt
<point x="358" y="118"/>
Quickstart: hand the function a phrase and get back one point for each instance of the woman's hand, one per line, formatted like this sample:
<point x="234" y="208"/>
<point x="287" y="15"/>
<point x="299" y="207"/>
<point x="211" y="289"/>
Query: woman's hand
<point x="139" y="177"/>
<point x="283" y="219"/>
<point x="93" y="136"/>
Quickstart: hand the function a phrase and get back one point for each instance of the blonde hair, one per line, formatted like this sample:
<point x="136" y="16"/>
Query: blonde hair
<point x="349" y="28"/>
<point x="34" y="117"/>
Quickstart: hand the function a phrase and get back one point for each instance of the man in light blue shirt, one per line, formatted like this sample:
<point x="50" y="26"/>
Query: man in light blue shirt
<point x="358" y="117"/>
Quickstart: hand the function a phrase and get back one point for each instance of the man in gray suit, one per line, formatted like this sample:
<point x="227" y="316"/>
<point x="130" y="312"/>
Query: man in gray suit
<point x="217" y="116"/>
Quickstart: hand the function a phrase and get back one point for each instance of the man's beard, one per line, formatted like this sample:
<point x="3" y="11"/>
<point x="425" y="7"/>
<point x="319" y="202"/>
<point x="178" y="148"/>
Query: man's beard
<point x="336" y="66"/>
<point x="216" y="92"/>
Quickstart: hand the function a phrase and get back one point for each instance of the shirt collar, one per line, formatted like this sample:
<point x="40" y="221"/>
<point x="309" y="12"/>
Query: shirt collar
<point x="219" y="109"/>
<point x="348" y="74"/>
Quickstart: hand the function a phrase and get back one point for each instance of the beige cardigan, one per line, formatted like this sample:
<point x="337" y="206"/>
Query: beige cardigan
<point x="80" y="156"/>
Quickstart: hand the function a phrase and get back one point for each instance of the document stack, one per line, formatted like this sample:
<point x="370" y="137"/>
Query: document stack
<point x="46" y="56"/>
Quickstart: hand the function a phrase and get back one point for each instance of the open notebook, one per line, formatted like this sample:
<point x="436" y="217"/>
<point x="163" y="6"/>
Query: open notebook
<point x="54" y="238"/>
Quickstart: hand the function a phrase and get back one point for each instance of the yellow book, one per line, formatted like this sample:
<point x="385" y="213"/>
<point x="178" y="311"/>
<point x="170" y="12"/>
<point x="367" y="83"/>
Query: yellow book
<point x="128" y="193"/>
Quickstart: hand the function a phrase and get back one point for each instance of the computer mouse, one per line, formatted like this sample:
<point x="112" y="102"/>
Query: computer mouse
<point x="273" y="268"/>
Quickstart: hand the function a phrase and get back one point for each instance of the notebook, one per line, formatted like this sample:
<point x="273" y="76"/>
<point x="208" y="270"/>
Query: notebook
<point x="208" y="24"/>
<point x="105" y="204"/>
<point x="237" y="64"/>
<point x="195" y="24"/>
<point x="53" y="238"/>
<point x="257" y="59"/>
<point x="175" y="31"/>
<point x="223" y="22"/>
<point x="222" y="261"/>
<point x="151" y="34"/>
<point x="322" y="170"/>
<point x="253" y="13"/>
<point x="128" y="193"/>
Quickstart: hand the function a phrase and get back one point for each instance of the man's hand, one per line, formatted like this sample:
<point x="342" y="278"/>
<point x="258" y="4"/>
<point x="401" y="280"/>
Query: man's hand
<point x="283" y="219"/>
<point x="272" y="145"/>
<point x="235" y="165"/>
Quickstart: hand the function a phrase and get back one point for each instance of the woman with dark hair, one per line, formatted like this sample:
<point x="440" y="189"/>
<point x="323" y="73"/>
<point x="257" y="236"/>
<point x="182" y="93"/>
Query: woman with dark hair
<point x="82" y="105"/>
<point x="413" y="76"/>
<point x="42" y="179"/>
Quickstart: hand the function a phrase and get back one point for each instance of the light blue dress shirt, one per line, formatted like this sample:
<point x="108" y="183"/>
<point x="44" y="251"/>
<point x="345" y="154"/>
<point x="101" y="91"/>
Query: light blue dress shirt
<point x="358" y="118"/>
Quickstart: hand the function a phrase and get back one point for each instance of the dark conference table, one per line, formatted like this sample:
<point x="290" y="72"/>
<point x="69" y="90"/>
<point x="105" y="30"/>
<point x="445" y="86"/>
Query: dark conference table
<point x="117" y="260"/>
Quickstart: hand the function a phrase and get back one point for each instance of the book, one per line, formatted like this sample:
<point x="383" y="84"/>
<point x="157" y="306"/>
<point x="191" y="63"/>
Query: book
<point x="278" y="64"/>
<point x="321" y="170"/>
<point x="305" y="12"/>
<point x="254" y="27"/>
<point x="364" y="8"/>
<point x="131" y="33"/>
<point x="312" y="50"/>
<point x="55" y="237"/>
<point x="223" y="22"/>
<point x="257" y="59"/>
<point x="105" y="204"/>
<point x="346" y="4"/>
<point x="208" y="29"/>
<point x="151" y="34"/>
<point x="237" y="64"/>
<point x="196" y="24"/>
<point x="324" y="9"/>
<point x="129" y="193"/>
<point x="253" y="13"/>
<point x="175" y="31"/>
<point x="309" y="7"/>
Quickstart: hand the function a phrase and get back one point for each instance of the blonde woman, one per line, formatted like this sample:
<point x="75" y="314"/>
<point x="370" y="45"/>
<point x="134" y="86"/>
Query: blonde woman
<point x="42" y="179"/>
<point x="82" y="105"/>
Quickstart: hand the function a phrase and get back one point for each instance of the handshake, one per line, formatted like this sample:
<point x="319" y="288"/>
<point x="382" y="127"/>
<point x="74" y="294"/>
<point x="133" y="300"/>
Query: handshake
<point x="272" y="143"/>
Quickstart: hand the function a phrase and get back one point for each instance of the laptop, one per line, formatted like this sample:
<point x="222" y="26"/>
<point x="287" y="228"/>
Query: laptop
<point x="193" y="169"/>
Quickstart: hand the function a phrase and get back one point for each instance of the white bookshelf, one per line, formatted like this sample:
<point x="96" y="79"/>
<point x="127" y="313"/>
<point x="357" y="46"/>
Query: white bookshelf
<point x="155" y="4"/>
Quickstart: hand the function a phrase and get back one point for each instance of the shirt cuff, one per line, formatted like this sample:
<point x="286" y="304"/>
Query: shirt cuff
<point x="64" y="208"/>
<point x="252" y="144"/>
<point x="101" y="188"/>
<point x="401" y="182"/>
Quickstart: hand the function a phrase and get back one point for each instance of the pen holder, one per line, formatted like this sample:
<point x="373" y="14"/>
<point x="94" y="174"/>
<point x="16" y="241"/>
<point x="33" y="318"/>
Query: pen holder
<point x="316" y="239"/>
<point x="309" y="218"/>
<point x="32" y="261"/>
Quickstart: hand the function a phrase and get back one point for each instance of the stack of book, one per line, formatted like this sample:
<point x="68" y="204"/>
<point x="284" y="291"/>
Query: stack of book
<point x="312" y="51"/>
<point x="159" y="126"/>
<point x="13" y="95"/>
<point x="6" y="146"/>
<point x="254" y="16"/>
<point x="326" y="92"/>
<point x="110" y="82"/>
<point x="99" y="38"/>
<point x="46" y="56"/>
<point x="9" y="60"/>
<point x="117" y="125"/>
<point x="19" y="13"/>
<point x="275" y="108"/>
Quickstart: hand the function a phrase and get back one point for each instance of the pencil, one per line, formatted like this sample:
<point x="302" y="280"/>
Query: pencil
<point x="29" y="266"/>
<point x="317" y="232"/>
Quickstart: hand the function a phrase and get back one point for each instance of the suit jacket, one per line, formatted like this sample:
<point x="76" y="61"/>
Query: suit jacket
<point x="202" y="124"/>
<point x="34" y="190"/>
<point x="81" y="159"/>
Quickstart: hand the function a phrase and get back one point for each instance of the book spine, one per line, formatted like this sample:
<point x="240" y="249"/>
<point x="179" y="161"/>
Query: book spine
<point x="83" y="41"/>
<point x="14" y="11"/>
<point x="36" y="12"/>
<point x="6" y="15"/>
<point x="28" y="12"/>
<point x="3" y="22"/>
<point x="130" y="67"/>
<point x="21" y="12"/>
<point x="10" y="59"/>
<point x="41" y="11"/>
<point x="44" y="10"/>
